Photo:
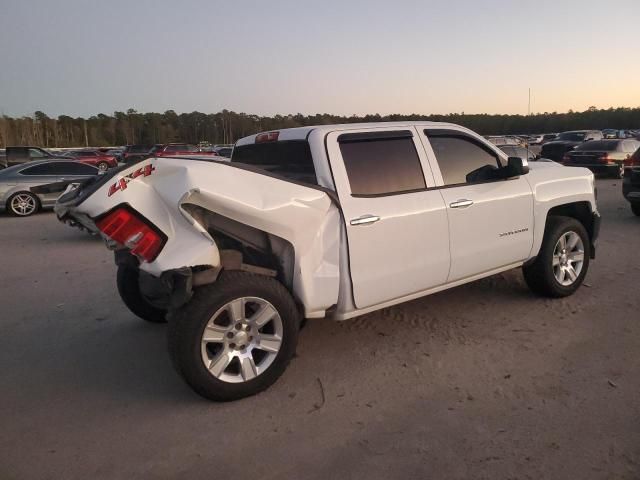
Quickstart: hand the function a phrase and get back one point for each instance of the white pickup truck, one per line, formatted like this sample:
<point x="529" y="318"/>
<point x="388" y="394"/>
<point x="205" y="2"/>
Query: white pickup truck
<point x="328" y="221"/>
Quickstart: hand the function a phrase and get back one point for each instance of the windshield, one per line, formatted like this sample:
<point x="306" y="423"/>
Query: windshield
<point x="599" y="145"/>
<point x="572" y="136"/>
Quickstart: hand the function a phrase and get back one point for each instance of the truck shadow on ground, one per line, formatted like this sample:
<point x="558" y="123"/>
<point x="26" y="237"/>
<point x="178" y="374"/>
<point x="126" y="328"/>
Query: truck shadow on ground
<point x="126" y="358"/>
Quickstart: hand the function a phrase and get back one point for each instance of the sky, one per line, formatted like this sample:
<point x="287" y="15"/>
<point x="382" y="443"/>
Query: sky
<point x="83" y="57"/>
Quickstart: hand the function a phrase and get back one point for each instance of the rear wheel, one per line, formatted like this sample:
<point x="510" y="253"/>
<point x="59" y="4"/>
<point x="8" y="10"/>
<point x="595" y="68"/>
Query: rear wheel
<point x="635" y="208"/>
<point x="103" y="166"/>
<point x="23" y="204"/>
<point x="563" y="260"/>
<point x="235" y="337"/>
<point x="129" y="290"/>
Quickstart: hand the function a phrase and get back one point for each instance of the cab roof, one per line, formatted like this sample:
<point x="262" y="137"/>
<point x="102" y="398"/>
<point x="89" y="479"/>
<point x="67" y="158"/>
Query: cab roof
<point x="302" y="133"/>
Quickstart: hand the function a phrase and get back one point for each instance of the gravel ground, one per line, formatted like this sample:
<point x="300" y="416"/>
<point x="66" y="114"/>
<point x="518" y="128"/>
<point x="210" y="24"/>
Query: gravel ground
<point x="482" y="381"/>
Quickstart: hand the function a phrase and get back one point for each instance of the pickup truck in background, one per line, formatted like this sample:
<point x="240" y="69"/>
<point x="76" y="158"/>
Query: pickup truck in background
<point x="18" y="155"/>
<point x="329" y="221"/>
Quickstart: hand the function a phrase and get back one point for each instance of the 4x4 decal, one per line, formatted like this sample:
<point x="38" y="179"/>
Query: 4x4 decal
<point x="121" y="184"/>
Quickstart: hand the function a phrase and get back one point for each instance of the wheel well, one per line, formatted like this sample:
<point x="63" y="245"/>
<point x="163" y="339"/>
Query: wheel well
<point x="581" y="211"/>
<point x="258" y="248"/>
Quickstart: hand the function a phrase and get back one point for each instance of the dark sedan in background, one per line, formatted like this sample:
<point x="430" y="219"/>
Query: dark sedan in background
<point x="566" y="141"/>
<point x="24" y="188"/>
<point x="602" y="156"/>
<point x="631" y="182"/>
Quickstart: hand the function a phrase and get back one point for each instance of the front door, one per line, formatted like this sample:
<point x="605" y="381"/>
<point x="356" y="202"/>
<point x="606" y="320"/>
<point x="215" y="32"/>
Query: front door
<point x="397" y="228"/>
<point x="490" y="221"/>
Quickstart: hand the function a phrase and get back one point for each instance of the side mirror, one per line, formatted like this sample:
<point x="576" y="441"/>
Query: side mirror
<point x="516" y="166"/>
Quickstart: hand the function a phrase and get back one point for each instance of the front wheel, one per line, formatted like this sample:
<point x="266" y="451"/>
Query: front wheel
<point x="103" y="166"/>
<point x="235" y="337"/>
<point x="563" y="260"/>
<point x="23" y="204"/>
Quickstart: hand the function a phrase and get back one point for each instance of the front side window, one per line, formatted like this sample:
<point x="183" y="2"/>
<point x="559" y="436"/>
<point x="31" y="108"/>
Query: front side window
<point x="462" y="159"/>
<point x="381" y="166"/>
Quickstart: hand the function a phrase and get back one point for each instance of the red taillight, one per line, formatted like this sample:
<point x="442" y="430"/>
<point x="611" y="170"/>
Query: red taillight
<point x="267" y="137"/>
<point x="604" y="157"/>
<point x="127" y="229"/>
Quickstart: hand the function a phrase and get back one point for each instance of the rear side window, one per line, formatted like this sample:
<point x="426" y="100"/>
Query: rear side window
<point x="42" y="169"/>
<point x="599" y="145"/>
<point x="462" y="159"/>
<point x="290" y="159"/>
<point x="385" y="165"/>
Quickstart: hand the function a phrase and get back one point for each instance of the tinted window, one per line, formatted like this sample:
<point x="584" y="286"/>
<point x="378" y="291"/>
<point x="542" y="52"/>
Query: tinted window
<point x="60" y="168"/>
<point x="572" y="136"/>
<point x="138" y="149"/>
<point x="289" y="159"/>
<point x="42" y="169"/>
<point x="461" y="158"/>
<point x="379" y="166"/>
<point x="599" y="145"/>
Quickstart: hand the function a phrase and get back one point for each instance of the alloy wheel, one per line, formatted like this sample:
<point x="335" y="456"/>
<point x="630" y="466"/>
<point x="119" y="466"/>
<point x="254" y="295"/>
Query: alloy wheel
<point x="23" y="204"/>
<point x="242" y="339"/>
<point x="568" y="258"/>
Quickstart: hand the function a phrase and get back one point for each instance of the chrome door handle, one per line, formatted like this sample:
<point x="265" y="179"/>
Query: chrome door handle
<point x="464" y="203"/>
<point x="364" y="219"/>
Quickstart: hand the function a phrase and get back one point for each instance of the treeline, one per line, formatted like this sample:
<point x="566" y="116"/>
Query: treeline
<point x="132" y="127"/>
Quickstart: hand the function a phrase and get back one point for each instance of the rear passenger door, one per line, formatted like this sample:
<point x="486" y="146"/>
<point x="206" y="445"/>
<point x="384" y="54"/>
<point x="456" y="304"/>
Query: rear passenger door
<point x="490" y="221"/>
<point x="397" y="231"/>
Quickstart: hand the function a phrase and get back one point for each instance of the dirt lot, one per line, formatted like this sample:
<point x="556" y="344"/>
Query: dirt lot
<point x="483" y="381"/>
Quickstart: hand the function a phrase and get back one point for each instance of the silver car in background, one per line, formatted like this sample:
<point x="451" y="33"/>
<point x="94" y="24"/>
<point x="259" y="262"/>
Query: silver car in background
<point x="23" y="188"/>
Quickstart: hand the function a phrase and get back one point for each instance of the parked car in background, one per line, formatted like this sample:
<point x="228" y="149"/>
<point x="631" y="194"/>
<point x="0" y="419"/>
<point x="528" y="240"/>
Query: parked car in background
<point x="631" y="182"/>
<point x="565" y="141"/>
<point x="548" y="137"/>
<point x="23" y="187"/>
<point x="23" y="154"/>
<point x="182" y="150"/>
<point x="117" y="153"/>
<point x="133" y="153"/>
<point x="499" y="140"/>
<point x="223" y="151"/>
<point x="102" y="161"/>
<point x="602" y="156"/>
<point x="535" y="139"/>
<point x="518" y="151"/>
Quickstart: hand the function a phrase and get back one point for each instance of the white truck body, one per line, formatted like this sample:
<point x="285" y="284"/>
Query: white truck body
<point x="350" y="254"/>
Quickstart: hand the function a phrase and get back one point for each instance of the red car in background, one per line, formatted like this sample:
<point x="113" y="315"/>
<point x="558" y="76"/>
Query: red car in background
<point x="91" y="157"/>
<point x="181" y="150"/>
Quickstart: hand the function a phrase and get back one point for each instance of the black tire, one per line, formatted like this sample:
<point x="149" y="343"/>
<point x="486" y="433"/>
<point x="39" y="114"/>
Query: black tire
<point x="129" y="290"/>
<point x="103" y="166"/>
<point x="187" y="324"/>
<point x="539" y="275"/>
<point x="635" y="208"/>
<point x="17" y="213"/>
